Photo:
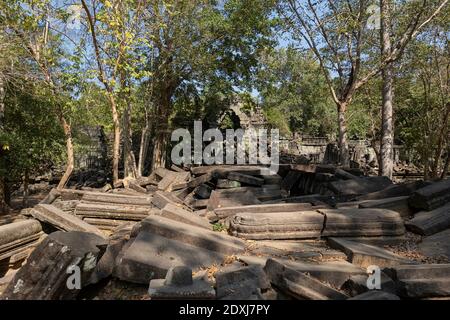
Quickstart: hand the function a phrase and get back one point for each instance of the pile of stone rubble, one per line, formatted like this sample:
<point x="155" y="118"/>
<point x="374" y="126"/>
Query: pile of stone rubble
<point x="235" y="232"/>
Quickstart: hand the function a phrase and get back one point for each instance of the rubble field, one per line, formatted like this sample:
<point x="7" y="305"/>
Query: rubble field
<point x="314" y="232"/>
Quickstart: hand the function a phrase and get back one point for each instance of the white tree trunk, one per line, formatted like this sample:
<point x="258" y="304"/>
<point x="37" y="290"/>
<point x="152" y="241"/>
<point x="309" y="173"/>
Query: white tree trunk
<point x="3" y="206"/>
<point x="2" y="101"/>
<point x="387" y="123"/>
<point x="344" y="157"/>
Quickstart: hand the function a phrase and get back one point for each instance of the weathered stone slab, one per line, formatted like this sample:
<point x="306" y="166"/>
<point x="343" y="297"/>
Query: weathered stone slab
<point x="423" y="281"/>
<point x="19" y="249"/>
<point x="134" y="185"/>
<point x="223" y="170"/>
<point x="176" y="213"/>
<point x="267" y="193"/>
<point x="180" y="177"/>
<point x="126" y="191"/>
<point x="436" y="246"/>
<point x="199" y="180"/>
<point x="398" y="204"/>
<point x="375" y="295"/>
<point x="161" y="199"/>
<point x="150" y="256"/>
<point x="106" y="224"/>
<point x="335" y="273"/>
<point x="348" y="205"/>
<point x="428" y="223"/>
<point x="18" y="230"/>
<point x="203" y="191"/>
<point x="44" y="276"/>
<point x="116" y="211"/>
<point x="149" y="181"/>
<point x="342" y="174"/>
<point x="357" y="284"/>
<point x="379" y="241"/>
<point x="425" y="288"/>
<point x="359" y="186"/>
<point x="176" y="168"/>
<point x="226" y="198"/>
<point x="199" y="204"/>
<point x="179" y="284"/>
<point x="299" y="249"/>
<point x="68" y="194"/>
<point x="278" y="225"/>
<point x="311" y="198"/>
<point x="278" y="207"/>
<point x="253" y="260"/>
<point x="167" y="180"/>
<point x="19" y="243"/>
<point x="244" y="178"/>
<point x="263" y="193"/>
<point x="227" y="184"/>
<point x="196" y="236"/>
<point x="365" y="255"/>
<point x="395" y="190"/>
<point x="290" y="180"/>
<point x="324" y="177"/>
<point x="421" y="271"/>
<point x="116" y="242"/>
<point x="66" y="206"/>
<point x="362" y="222"/>
<point x="61" y="220"/>
<point x="241" y="283"/>
<point x="309" y="168"/>
<point x="298" y="284"/>
<point x="161" y="172"/>
<point x="182" y="193"/>
<point x="432" y="196"/>
<point x="272" y="179"/>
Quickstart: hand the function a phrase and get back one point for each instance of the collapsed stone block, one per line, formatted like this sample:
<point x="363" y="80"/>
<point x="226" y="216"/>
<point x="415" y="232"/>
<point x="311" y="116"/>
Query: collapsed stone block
<point x="46" y="274"/>
<point x="179" y="284"/>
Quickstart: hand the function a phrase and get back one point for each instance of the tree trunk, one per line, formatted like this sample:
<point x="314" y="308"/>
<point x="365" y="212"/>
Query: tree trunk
<point x="161" y="125"/>
<point x="443" y="133"/>
<point x="387" y="125"/>
<point x="2" y="102"/>
<point x="143" y="149"/>
<point x="116" y="139"/>
<point x="446" y="165"/>
<point x="25" y="189"/>
<point x="344" y="157"/>
<point x="159" y="151"/>
<point x="426" y="164"/>
<point x="4" y="208"/>
<point x="130" y="169"/>
<point x="70" y="155"/>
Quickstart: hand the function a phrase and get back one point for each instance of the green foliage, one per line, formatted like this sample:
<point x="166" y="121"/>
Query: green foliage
<point x="186" y="60"/>
<point x="294" y="93"/>
<point x="423" y="97"/>
<point x="277" y="119"/>
<point x="35" y="140"/>
<point x="92" y="108"/>
<point x="219" y="227"/>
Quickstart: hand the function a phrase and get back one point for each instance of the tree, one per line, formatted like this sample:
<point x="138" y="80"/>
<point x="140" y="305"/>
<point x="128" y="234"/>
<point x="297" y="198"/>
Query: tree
<point x="3" y="205"/>
<point x="113" y="27"/>
<point x="35" y="141"/>
<point x="422" y="91"/>
<point x="416" y="21"/>
<point x="335" y="32"/>
<point x="196" y="42"/>
<point x="27" y="22"/>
